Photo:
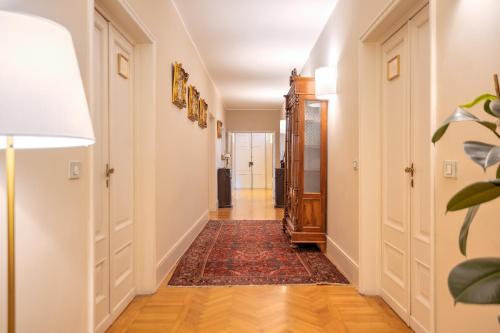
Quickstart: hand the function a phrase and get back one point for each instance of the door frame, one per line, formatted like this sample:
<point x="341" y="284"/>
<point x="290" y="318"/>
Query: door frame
<point x="390" y="20"/>
<point x="128" y="23"/>
<point x="233" y="154"/>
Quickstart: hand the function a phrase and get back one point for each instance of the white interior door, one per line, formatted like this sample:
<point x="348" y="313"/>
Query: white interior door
<point x="102" y="311"/>
<point x="258" y="160"/>
<point x="269" y="161"/>
<point x="421" y="198"/>
<point x="112" y="115"/>
<point x="407" y="178"/>
<point x="396" y="187"/>
<point x="121" y="180"/>
<point x="243" y="158"/>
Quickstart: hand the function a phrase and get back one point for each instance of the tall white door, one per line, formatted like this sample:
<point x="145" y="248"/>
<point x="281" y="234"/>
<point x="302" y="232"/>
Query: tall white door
<point x="243" y="159"/>
<point x="406" y="178"/>
<point x="259" y="160"/>
<point x="113" y="181"/>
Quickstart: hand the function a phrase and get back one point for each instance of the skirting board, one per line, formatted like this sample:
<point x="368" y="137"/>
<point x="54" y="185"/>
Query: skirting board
<point x="344" y="263"/>
<point x="169" y="260"/>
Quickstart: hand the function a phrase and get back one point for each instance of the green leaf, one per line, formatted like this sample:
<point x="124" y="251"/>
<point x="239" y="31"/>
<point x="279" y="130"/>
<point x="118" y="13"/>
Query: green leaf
<point x="476" y="281"/>
<point x="487" y="108"/>
<point x="459" y="115"/>
<point x="474" y="194"/>
<point x="464" y="231"/>
<point x="478" y="100"/>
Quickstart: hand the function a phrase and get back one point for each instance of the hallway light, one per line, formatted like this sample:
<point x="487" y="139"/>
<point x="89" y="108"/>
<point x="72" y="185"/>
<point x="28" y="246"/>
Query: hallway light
<point x="326" y="82"/>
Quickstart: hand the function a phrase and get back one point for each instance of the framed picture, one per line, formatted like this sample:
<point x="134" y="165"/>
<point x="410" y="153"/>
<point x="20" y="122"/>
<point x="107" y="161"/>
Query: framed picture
<point x="219" y="129"/>
<point x="179" y="83"/>
<point x="393" y="68"/>
<point x="194" y="104"/>
<point x="202" y="120"/>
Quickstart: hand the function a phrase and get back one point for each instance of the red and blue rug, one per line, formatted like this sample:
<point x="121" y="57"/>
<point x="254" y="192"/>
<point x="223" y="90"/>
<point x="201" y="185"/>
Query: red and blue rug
<point x="251" y="253"/>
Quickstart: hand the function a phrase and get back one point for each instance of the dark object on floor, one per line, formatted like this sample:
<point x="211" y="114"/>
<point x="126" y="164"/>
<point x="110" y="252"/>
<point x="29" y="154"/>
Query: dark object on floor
<point x="224" y="188"/>
<point x="251" y="253"/>
<point x="279" y="188"/>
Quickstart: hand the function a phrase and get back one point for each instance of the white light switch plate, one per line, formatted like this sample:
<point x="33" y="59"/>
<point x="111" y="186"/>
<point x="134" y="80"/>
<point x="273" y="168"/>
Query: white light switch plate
<point x="450" y="169"/>
<point x="75" y="169"/>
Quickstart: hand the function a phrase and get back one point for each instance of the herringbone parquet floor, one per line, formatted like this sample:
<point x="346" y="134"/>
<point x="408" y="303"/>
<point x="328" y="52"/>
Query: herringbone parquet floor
<point x="257" y="309"/>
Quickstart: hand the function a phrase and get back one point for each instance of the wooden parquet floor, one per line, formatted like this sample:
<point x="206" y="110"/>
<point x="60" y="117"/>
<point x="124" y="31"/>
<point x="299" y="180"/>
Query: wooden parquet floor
<point x="257" y="309"/>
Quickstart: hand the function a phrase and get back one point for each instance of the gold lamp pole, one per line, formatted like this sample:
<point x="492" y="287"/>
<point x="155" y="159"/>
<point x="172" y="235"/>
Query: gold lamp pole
<point x="11" y="303"/>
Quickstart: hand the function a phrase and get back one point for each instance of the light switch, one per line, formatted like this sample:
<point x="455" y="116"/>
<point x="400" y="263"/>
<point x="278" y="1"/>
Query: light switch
<point x="75" y="169"/>
<point x="450" y="169"/>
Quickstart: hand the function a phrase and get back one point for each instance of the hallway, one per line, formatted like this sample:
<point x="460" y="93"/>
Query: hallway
<point x="256" y="204"/>
<point x="266" y="309"/>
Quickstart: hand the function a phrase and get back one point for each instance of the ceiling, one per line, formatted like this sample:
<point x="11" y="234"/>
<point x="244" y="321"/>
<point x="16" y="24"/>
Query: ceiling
<point x="251" y="46"/>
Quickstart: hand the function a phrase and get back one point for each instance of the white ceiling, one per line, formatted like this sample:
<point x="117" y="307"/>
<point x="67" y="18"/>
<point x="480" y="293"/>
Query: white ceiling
<point x="250" y="46"/>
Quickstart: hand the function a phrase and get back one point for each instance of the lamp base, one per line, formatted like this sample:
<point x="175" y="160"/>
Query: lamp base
<point x="11" y="275"/>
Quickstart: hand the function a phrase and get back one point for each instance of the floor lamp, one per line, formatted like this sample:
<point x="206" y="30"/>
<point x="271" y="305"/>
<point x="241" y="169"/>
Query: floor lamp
<point x="42" y="104"/>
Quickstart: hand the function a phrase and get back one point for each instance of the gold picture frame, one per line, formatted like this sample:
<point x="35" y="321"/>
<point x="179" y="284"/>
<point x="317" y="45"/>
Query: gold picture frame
<point x="394" y="68"/>
<point x="194" y="104"/>
<point x="219" y="129"/>
<point x="202" y="119"/>
<point x="179" y="83"/>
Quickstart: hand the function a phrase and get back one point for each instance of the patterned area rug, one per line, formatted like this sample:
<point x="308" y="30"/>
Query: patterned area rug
<point x="251" y="253"/>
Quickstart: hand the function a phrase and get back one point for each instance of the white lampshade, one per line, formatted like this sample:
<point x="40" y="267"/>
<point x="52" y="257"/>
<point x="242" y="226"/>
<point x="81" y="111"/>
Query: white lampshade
<point x="42" y="101"/>
<point x="326" y="82"/>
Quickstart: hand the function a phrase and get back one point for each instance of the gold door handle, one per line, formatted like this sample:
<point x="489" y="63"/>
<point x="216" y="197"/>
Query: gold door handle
<point x="109" y="171"/>
<point x="410" y="170"/>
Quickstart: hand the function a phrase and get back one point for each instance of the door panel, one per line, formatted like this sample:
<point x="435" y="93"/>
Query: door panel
<point x="395" y="158"/>
<point x="243" y="156"/>
<point x="121" y="181"/>
<point x="421" y="212"/>
<point x="259" y="160"/>
<point x="101" y="194"/>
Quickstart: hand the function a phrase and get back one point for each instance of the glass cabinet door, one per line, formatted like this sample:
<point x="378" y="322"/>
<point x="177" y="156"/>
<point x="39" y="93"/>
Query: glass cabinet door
<point x="312" y="146"/>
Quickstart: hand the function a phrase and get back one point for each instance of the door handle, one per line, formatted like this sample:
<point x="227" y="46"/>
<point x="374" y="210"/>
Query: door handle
<point x="410" y="170"/>
<point x="250" y="164"/>
<point x="109" y="171"/>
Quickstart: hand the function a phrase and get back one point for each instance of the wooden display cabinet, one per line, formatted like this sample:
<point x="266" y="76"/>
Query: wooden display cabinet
<point x="305" y="163"/>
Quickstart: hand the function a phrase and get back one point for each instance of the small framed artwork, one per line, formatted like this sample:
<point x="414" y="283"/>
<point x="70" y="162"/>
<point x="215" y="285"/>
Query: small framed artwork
<point x="179" y="85"/>
<point x="393" y="68"/>
<point x="123" y="69"/>
<point x="219" y="129"/>
<point x="194" y="104"/>
<point x="202" y="119"/>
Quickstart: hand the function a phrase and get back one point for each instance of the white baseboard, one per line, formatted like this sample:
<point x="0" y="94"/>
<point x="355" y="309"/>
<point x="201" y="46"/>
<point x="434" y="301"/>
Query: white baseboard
<point x="345" y="264"/>
<point x="169" y="260"/>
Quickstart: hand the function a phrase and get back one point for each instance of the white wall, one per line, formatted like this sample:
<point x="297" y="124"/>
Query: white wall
<point x="338" y="45"/>
<point x="52" y="212"/>
<point x="468" y="53"/>
<point x="181" y="146"/>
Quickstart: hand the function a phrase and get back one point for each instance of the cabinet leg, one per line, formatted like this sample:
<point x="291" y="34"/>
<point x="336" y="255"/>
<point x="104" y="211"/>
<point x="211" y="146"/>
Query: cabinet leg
<point x="322" y="247"/>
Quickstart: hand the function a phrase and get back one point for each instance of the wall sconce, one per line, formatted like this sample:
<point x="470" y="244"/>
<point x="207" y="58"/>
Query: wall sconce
<point x="326" y="82"/>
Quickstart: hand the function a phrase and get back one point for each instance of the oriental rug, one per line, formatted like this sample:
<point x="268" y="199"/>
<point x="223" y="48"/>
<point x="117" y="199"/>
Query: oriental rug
<point x="251" y="253"/>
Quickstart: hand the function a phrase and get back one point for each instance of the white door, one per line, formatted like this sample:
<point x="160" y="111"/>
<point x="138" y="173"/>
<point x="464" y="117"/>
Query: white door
<point x="259" y="160"/>
<point x="407" y="183"/>
<point x="113" y="181"/>
<point x="396" y="187"/>
<point x="243" y="159"/>
<point x="121" y="228"/>
<point x="421" y="200"/>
